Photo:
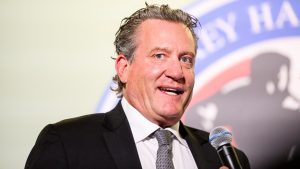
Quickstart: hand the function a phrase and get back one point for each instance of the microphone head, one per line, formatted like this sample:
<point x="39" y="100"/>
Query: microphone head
<point x="220" y="136"/>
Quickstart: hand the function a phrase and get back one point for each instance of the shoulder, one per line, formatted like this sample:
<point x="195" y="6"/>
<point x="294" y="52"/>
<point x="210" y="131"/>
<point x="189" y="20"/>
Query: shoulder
<point x="92" y="121"/>
<point x="73" y="129"/>
<point x="81" y="122"/>
<point x="86" y="124"/>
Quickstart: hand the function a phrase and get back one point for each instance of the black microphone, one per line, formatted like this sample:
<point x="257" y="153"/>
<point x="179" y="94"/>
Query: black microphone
<point x="220" y="138"/>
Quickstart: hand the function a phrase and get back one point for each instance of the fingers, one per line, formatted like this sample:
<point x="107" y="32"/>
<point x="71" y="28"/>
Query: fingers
<point x="224" y="167"/>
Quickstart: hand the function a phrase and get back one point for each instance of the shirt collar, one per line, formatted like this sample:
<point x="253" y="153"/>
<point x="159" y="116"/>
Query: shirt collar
<point x="142" y="128"/>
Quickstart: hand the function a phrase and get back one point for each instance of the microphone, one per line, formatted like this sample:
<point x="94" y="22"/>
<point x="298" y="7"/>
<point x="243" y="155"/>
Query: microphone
<point x="220" y="138"/>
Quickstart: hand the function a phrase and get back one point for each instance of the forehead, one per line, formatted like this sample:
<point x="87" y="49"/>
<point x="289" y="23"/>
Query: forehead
<point x="165" y="33"/>
<point x="154" y="25"/>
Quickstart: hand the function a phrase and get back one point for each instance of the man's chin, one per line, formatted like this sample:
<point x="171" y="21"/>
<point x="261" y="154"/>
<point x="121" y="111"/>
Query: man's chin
<point x="171" y="117"/>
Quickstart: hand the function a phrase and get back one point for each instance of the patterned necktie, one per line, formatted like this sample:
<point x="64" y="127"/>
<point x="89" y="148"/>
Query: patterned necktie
<point x="164" y="152"/>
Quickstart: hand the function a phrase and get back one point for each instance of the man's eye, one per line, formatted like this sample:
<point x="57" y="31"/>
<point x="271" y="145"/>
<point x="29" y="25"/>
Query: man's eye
<point x="187" y="59"/>
<point x="159" y="56"/>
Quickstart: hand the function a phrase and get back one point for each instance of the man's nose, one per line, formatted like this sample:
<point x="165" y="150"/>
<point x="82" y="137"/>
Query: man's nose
<point x="174" y="70"/>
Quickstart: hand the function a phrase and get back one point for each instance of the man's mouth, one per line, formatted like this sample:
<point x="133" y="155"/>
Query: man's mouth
<point x="171" y="91"/>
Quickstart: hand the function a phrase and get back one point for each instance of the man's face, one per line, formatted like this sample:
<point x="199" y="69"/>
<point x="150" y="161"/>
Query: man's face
<point x="160" y="78"/>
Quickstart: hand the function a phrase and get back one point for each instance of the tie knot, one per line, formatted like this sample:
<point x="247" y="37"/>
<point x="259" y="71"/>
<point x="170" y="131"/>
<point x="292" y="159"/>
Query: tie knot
<point x="164" y="137"/>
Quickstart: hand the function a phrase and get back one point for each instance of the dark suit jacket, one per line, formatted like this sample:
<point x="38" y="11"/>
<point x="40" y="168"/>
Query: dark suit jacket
<point x="105" y="141"/>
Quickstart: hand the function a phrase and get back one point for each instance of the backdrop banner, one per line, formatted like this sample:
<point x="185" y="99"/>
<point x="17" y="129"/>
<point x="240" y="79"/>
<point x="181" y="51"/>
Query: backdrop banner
<point x="247" y="76"/>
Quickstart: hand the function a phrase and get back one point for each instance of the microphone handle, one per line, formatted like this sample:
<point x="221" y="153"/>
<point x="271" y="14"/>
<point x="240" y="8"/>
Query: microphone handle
<point x="228" y="157"/>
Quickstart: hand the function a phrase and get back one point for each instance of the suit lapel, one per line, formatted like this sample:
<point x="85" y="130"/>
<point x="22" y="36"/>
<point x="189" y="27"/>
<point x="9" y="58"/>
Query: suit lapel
<point x="119" y="139"/>
<point x="204" y="154"/>
<point x="120" y="143"/>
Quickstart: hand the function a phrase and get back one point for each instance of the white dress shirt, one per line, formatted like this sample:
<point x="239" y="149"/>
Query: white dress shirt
<point x="147" y="144"/>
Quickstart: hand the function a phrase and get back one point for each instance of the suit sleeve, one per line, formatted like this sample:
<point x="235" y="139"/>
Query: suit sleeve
<point x="48" y="151"/>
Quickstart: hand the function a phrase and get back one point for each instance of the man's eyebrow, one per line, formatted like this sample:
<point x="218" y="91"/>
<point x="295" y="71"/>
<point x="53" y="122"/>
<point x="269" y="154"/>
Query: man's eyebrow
<point x="160" y="49"/>
<point x="187" y="53"/>
<point x="156" y="49"/>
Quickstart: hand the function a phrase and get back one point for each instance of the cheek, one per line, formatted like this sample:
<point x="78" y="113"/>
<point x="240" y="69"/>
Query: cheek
<point x="154" y="71"/>
<point x="190" y="78"/>
<point x="143" y="76"/>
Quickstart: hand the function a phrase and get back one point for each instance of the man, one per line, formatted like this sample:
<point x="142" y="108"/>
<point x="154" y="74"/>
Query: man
<point x="156" y="49"/>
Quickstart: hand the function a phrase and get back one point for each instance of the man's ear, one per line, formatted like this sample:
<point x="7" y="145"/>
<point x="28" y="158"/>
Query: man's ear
<point x="122" y="66"/>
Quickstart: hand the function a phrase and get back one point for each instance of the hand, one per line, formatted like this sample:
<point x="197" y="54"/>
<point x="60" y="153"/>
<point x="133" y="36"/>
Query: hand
<point x="224" y="167"/>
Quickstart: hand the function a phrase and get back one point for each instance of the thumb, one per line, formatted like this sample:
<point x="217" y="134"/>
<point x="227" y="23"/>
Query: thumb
<point x="224" y="167"/>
